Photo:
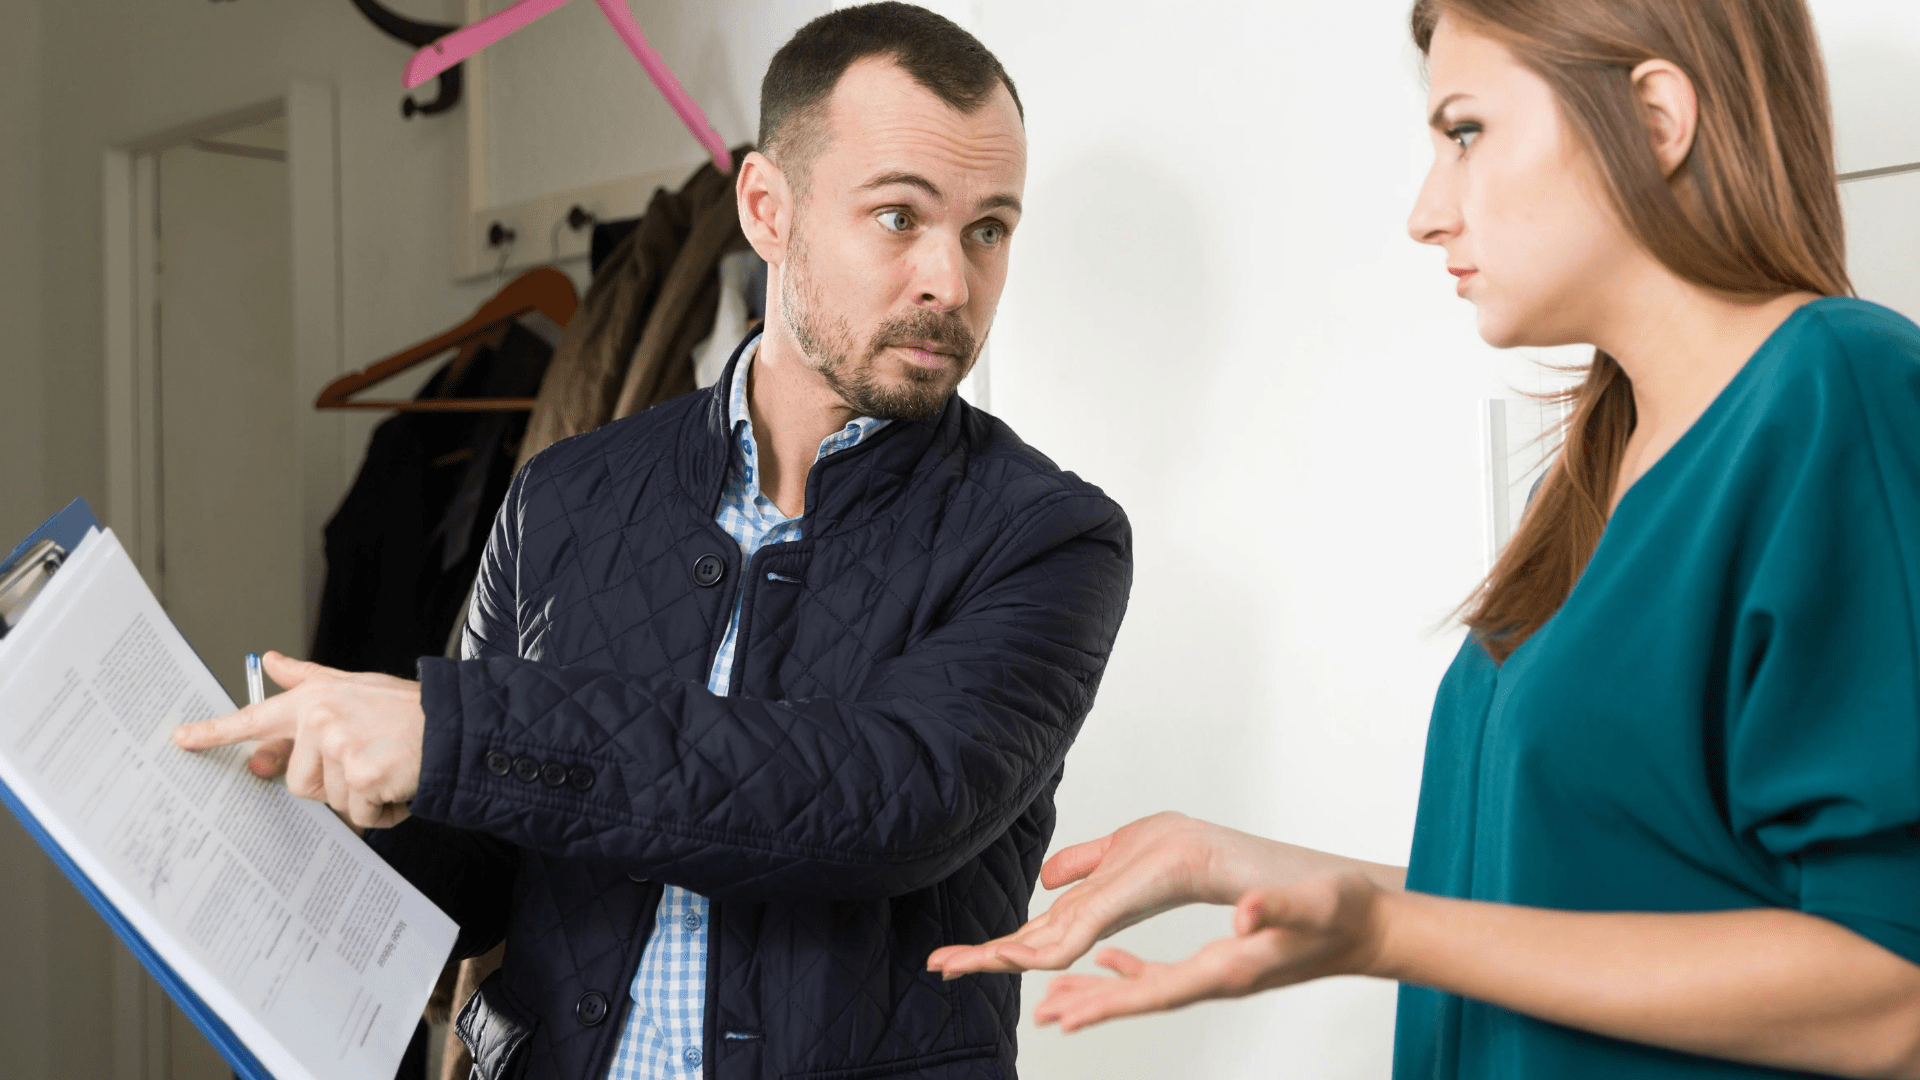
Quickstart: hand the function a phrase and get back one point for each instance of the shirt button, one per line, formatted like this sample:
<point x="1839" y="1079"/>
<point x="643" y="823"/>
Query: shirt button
<point x="498" y="763"/>
<point x="553" y="774"/>
<point x="691" y="920"/>
<point x="526" y="769"/>
<point x="592" y="1008"/>
<point x="708" y="570"/>
<point x="693" y="1057"/>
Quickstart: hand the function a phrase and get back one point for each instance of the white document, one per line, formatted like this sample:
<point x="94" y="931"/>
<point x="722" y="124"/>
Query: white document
<point x="317" y="954"/>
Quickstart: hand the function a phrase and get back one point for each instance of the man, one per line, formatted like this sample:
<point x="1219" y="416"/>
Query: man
<point x="767" y="689"/>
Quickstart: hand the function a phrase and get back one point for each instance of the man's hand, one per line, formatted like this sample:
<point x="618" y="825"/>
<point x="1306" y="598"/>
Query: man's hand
<point x="351" y="740"/>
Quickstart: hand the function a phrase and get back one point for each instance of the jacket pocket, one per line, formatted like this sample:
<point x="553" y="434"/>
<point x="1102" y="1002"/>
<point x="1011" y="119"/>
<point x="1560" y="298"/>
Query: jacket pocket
<point x="969" y="1063"/>
<point x="496" y="1030"/>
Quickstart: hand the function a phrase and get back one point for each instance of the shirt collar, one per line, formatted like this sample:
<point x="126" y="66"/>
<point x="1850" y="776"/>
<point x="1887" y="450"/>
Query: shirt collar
<point x="740" y="422"/>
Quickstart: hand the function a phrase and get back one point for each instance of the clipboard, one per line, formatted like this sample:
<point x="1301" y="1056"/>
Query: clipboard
<point x="63" y="532"/>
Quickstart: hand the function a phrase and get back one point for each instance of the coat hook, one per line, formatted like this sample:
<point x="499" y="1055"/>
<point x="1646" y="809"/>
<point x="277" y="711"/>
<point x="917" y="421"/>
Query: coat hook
<point x="417" y="34"/>
<point x="579" y="217"/>
<point x="499" y="234"/>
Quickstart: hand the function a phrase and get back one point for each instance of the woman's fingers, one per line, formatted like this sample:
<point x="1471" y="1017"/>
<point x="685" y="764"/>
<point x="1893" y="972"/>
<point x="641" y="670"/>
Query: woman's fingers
<point x="1053" y="940"/>
<point x="1021" y="950"/>
<point x="1230" y="967"/>
<point x="1120" y="961"/>
<point x="1069" y="865"/>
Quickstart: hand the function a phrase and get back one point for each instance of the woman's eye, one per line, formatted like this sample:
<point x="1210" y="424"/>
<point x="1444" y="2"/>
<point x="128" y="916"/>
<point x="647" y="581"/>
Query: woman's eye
<point x="896" y="221"/>
<point x="989" y="234"/>
<point x="1464" y="134"/>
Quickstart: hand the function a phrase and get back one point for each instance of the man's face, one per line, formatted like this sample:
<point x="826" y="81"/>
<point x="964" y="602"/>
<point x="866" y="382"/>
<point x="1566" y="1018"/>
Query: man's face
<point x="898" y="250"/>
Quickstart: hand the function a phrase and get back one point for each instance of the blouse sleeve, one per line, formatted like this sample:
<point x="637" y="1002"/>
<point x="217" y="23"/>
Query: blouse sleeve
<point x="1823" y="737"/>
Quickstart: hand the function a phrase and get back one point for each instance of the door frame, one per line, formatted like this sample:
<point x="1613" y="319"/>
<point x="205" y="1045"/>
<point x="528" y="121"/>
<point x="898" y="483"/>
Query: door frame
<point x="130" y="222"/>
<point x="130" y="226"/>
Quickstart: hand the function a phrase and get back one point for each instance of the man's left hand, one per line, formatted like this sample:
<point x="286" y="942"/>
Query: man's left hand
<point x="351" y="740"/>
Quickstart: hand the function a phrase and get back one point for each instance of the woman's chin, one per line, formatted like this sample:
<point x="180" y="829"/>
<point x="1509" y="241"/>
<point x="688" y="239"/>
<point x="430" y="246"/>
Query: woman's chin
<point x="1504" y="329"/>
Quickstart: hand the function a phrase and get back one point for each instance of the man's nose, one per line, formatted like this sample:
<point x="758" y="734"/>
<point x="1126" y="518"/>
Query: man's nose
<point x="940" y="274"/>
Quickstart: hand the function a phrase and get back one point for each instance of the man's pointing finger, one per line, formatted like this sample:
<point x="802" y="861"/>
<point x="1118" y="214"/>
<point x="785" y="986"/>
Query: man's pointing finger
<point x="271" y="719"/>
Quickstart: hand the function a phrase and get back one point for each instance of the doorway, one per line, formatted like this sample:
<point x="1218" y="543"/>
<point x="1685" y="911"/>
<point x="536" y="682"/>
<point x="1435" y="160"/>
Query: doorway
<point x="228" y="551"/>
<point x="221" y="314"/>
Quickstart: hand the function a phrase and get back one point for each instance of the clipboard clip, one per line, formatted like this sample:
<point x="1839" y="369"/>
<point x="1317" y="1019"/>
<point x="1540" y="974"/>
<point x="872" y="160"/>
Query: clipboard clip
<point x="19" y="585"/>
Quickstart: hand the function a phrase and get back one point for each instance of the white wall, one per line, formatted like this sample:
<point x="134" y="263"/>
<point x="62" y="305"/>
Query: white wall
<point x="1214" y="313"/>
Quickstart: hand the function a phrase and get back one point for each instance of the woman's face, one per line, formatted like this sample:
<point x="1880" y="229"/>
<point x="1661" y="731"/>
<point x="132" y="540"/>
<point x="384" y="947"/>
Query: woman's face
<point x="1514" y="198"/>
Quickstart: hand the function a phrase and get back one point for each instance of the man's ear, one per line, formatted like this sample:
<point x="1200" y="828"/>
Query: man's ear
<point x="1672" y="111"/>
<point x="765" y="202"/>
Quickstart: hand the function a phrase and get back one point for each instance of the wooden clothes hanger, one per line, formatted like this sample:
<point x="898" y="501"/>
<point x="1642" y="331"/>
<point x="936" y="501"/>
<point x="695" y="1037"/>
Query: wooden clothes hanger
<point x="545" y="290"/>
<point x="467" y="40"/>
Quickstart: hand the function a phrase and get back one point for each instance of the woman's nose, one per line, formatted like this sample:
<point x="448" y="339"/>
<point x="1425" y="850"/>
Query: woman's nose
<point x="1436" y="212"/>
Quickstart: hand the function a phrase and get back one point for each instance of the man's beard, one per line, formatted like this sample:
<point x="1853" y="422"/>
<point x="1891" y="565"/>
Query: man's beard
<point x="828" y="346"/>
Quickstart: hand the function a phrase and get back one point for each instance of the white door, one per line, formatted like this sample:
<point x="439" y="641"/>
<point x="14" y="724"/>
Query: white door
<point x="230" y="549"/>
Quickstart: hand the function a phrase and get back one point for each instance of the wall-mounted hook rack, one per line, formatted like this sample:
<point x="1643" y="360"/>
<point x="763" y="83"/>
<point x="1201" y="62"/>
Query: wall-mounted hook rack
<point x="417" y="34"/>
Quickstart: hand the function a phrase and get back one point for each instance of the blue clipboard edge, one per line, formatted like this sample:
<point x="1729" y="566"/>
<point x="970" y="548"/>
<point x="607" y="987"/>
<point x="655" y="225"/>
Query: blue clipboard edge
<point x="215" y="1029"/>
<point x="67" y="527"/>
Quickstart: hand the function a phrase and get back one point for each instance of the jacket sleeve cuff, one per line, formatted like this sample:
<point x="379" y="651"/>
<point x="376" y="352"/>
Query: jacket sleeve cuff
<point x="442" y="749"/>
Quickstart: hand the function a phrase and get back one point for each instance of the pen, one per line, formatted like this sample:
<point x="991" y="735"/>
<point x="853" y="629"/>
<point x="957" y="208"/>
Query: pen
<point x="256" y="687"/>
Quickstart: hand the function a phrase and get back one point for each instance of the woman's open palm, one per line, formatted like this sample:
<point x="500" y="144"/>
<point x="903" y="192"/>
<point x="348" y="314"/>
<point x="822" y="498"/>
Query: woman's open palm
<point x="1153" y="865"/>
<point x="1329" y="926"/>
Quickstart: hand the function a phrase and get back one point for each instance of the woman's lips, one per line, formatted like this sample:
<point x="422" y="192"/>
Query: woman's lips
<point x="1464" y="273"/>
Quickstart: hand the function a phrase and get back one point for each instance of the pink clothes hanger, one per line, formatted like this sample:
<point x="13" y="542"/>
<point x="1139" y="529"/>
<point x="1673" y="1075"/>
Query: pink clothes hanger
<point x="467" y="40"/>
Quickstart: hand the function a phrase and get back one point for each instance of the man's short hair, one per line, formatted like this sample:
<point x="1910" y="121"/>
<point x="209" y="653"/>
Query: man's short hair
<point x="949" y="62"/>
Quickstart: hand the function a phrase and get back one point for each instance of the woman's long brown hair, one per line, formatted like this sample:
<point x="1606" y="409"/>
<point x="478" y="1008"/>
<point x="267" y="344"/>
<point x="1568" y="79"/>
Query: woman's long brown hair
<point x="1753" y="211"/>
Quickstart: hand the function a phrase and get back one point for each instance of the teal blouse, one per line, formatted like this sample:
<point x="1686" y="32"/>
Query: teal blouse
<point x="1724" y="714"/>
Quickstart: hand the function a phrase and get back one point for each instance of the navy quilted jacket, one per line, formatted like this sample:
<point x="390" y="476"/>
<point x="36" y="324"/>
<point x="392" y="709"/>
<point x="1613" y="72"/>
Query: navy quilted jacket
<point x="878" y="783"/>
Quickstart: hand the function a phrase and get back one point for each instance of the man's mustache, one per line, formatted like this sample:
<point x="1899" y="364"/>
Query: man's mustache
<point x="943" y="329"/>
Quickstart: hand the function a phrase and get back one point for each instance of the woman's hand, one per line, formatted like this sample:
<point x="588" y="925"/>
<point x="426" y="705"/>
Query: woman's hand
<point x="1153" y="865"/>
<point x="1328" y="926"/>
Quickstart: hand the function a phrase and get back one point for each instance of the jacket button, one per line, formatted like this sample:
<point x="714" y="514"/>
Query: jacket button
<point x="580" y="777"/>
<point x="553" y="774"/>
<point x="637" y="879"/>
<point x="592" y="1008"/>
<point x="498" y="763"/>
<point x="526" y="769"/>
<point x="708" y="570"/>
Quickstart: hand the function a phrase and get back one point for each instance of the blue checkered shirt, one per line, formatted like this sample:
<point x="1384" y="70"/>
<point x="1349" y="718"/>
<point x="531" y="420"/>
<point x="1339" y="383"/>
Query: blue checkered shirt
<point x="663" y="1036"/>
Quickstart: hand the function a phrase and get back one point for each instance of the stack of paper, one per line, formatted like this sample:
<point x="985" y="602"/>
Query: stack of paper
<point x="297" y="950"/>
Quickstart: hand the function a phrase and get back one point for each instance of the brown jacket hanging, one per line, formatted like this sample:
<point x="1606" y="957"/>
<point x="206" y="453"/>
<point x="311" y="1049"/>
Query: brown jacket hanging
<point x="630" y="346"/>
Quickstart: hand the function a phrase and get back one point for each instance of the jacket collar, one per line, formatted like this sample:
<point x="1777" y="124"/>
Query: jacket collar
<point x="884" y="461"/>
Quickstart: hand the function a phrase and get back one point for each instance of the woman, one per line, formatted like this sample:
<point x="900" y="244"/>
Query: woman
<point x="1670" y="819"/>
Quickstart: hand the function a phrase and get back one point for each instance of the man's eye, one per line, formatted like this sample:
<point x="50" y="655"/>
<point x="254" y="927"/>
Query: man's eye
<point x="989" y="234"/>
<point x="1464" y="134"/>
<point x="896" y="220"/>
